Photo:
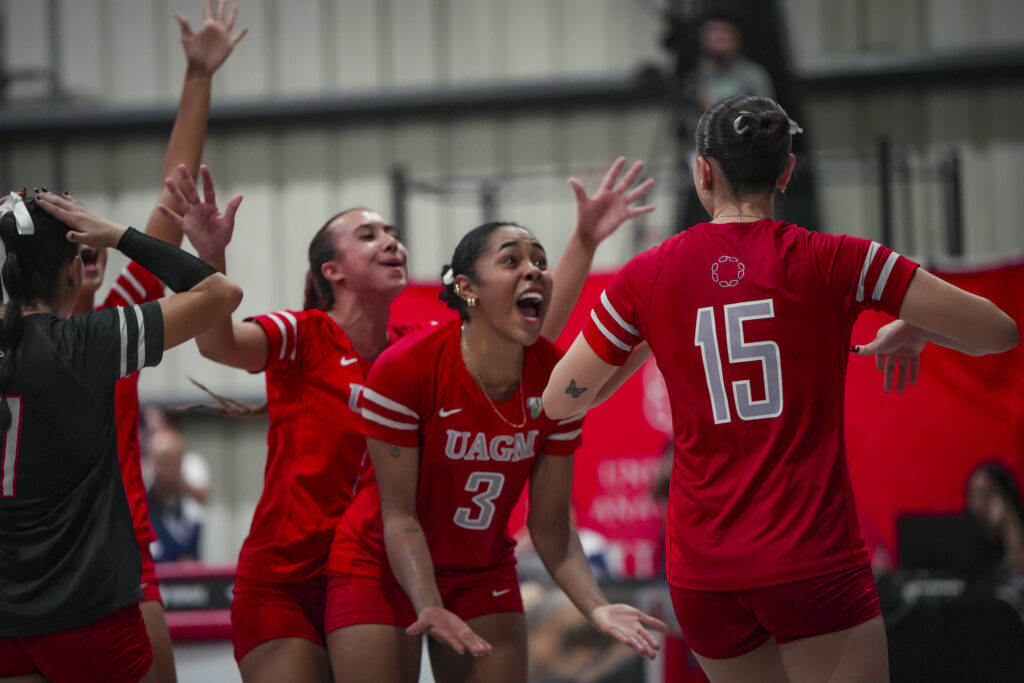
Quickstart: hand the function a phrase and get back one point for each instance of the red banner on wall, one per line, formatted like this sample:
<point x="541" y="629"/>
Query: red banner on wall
<point x="909" y="452"/>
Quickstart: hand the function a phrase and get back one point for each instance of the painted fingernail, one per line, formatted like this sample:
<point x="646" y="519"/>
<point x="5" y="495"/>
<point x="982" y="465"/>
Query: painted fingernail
<point x="45" y="190"/>
<point x="855" y="348"/>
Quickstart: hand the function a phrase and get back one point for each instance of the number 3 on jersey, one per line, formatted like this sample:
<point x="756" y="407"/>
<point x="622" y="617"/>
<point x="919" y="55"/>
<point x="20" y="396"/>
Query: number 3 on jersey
<point x="492" y="483"/>
<point x="767" y="352"/>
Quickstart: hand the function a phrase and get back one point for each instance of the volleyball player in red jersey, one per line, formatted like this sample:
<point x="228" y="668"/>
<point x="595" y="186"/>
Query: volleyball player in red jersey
<point x="205" y="51"/>
<point x="750" y="321"/>
<point x="455" y="431"/>
<point x="315" y="361"/>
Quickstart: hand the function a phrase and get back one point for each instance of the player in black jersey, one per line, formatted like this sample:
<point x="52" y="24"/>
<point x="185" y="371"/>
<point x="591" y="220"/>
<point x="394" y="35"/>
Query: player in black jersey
<point x="69" y="561"/>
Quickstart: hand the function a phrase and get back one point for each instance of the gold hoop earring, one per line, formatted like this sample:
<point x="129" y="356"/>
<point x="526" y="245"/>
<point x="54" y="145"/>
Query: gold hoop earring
<point x="471" y="301"/>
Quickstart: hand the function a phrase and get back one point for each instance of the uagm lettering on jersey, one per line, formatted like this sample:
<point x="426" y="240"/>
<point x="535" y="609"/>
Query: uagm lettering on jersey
<point x="501" y="448"/>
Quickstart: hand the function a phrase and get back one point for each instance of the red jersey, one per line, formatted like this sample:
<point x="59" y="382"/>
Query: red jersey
<point x="135" y="285"/>
<point x="316" y="449"/>
<point x="473" y="464"/>
<point x="750" y="324"/>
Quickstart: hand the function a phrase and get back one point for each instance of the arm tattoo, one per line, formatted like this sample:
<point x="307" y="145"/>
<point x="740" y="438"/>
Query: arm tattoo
<point x="574" y="390"/>
<point x="394" y="452"/>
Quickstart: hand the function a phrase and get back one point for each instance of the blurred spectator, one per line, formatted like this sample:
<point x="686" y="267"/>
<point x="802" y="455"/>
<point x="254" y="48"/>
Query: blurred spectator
<point x="722" y="70"/>
<point x="194" y="468"/>
<point x="993" y="498"/>
<point x="176" y="516"/>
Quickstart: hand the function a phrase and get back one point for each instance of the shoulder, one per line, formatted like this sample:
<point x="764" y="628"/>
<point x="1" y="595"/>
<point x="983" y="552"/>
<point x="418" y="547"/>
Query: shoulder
<point x="419" y="344"/>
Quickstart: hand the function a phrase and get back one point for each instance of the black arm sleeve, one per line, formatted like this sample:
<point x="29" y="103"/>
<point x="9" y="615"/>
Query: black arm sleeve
<point x="177" y="269"/>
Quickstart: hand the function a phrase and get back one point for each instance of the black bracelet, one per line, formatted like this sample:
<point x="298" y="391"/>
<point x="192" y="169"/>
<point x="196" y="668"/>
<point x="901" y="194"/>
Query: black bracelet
<point x="179" y="270"/>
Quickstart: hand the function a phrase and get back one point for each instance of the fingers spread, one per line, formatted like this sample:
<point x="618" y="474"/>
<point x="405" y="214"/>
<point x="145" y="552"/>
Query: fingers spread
<point x="174" y="217"/>
<point x="915" y="365"/>
<point x="578" y="189"/>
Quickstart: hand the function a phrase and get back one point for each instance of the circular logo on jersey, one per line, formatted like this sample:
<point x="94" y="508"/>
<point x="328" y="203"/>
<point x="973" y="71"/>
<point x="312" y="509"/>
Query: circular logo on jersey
<point x="727" y="271"/>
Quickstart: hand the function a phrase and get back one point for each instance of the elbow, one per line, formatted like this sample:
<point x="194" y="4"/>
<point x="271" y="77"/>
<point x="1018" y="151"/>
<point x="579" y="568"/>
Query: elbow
<point x="230" y="297"/>
<point x="554" y="407"/>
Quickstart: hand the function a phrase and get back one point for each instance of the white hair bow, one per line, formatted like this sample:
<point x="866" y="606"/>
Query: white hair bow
<point x="448" y="277"/>
<point x="15" y="204"/>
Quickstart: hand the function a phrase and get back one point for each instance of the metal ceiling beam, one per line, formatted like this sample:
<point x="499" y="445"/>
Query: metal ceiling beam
<point x="865" y="73"/>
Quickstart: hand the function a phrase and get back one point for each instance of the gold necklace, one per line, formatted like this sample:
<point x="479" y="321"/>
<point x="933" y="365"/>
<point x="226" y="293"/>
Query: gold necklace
<point x="519" y="390"/>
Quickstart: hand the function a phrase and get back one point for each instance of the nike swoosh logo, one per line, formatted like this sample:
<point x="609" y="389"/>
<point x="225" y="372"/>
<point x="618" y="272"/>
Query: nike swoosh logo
<point x="346" y="361"/>
<point x="498" y="594"/>
<point x="446" y="413"/>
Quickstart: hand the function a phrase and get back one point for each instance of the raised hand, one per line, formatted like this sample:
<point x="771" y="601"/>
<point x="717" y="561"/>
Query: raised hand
<point x="206" y="227"/>
<point x="207" y="48"/>
<point x="628" y="625"/>
<point x="86" y="227"/>
<point x="598" y="215"/>
<point x="897" y="350"/>
<point x="447" y="628"/>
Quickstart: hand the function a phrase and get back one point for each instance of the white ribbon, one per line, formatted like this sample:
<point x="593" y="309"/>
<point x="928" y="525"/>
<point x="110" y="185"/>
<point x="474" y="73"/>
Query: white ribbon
<point x="794" y="127"/>
<point x="448" y="278"/>
<point x="22" y="219"/>
<point x="738" y="125"/>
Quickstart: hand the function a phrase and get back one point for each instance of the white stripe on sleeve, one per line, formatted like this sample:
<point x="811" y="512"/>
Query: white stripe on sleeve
<point x="570" y="420"/>
<point x="142" y="336"/>
<point x="127" y="274"/>
<point x="565" y="436"/>
<point x="608" y="335"/>
<point x="124" y="340"/>
<point x="284" y="333"/>
<point x="872" y="250"/>
<point x="618" y="318"/>
<point x="380" y="419"/>
<point x="386" y="402"/>
<point x="295" y="331"/>
<point x="883" y="277"/>
<point x="123" y="293"/>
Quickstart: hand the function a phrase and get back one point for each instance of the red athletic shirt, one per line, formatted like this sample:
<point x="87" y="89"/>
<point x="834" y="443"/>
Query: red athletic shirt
<point x="750" y="324"/>
<point x="316" y="449"/>
<point x="473" y="464"/>
<point x="135" y="285"/>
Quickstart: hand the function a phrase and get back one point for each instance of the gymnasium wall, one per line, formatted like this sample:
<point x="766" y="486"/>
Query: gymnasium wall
<point x="126" y="52"/>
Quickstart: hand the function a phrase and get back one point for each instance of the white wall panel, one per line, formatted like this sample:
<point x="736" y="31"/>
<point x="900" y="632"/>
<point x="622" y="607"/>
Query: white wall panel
<point x="475" y="38"/>
<point x="83" y="48"/>
<point x="530" y="38"/>
<point x="414" y="57"/>
<point x="298" y="49"/>
<point x="355" y="44"/>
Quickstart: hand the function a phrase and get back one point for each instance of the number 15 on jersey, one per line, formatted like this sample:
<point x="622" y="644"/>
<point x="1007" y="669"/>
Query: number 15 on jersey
<point x="766" y="352"/>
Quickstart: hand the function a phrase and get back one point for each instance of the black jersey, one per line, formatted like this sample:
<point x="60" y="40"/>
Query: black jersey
<point x="68" y="554"/>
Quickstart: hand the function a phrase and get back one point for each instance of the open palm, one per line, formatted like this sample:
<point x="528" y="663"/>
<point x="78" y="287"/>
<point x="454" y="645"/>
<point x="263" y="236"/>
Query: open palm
<point x="600" y="214"/>
<point x="206" y="227"/>
<point x="207" y="48"/>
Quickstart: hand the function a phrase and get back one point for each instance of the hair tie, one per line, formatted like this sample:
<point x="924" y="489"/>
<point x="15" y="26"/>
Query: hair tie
<point x="448" y="277"/>
<point x="794" y="127"/>
<point x="738" y="125"/>
<point x="22" y="219"/>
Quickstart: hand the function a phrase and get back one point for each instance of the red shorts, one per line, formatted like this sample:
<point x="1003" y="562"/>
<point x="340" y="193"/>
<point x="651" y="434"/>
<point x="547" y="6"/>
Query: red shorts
<point x="150" y="584"/>
<point x="114" y="648"/>
<point x="263" y="611"/>
<point x="724" y="624"/>
<point x="355" y="600"/>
